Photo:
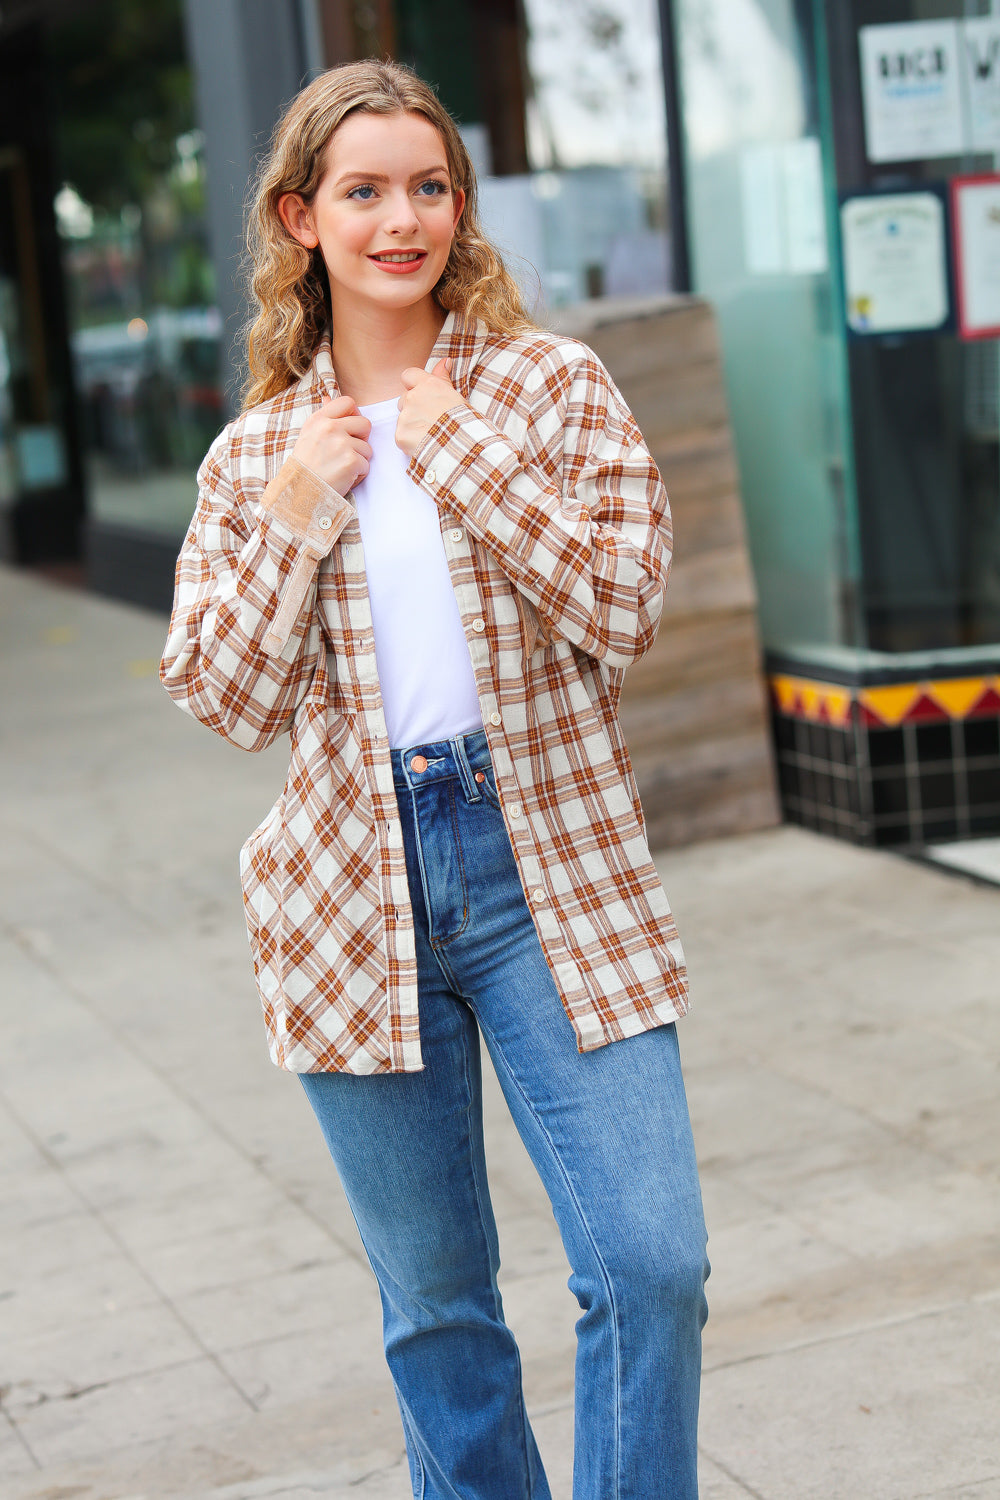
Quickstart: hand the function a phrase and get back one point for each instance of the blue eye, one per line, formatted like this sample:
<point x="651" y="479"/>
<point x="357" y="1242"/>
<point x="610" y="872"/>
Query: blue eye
<point x="364" y="193"/>
<point x="432" y="188"/>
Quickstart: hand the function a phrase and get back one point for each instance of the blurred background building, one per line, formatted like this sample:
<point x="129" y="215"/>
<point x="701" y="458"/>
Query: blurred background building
<point x="802" y="164"/>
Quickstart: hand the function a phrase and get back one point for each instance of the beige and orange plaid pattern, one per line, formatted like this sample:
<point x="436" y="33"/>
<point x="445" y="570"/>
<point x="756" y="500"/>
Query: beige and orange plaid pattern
<point x="556" y="529"/>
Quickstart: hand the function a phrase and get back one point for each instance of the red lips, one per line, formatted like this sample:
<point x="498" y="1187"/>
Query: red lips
<point x="400" y="267"/>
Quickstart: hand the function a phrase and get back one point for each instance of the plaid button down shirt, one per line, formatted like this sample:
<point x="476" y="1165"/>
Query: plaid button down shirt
<point x="556" y="531"/>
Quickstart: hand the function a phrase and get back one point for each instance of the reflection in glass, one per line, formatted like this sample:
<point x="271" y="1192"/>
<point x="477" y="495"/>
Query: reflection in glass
<point x="759" y="238"/>
<point x="145" y="335"/>
<point x="590" y="214"/>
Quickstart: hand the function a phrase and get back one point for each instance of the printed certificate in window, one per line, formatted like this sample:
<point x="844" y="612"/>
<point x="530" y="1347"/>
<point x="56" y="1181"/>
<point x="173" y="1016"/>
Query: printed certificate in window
<point x="895" y="250"/>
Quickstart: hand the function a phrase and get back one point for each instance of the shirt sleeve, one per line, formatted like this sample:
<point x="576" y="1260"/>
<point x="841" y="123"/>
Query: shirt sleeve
<point x="244" y="635"/>
<point x="579" y="523"/>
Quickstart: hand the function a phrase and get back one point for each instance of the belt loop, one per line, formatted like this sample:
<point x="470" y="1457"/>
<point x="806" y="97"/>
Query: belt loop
<point x="472" y="792"/>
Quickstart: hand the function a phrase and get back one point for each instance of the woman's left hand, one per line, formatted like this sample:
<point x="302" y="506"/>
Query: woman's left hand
<point x="426" y="396"/>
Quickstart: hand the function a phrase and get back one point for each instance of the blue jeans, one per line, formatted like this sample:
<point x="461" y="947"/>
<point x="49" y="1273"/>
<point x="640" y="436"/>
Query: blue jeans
<point x="609" y="1135"/>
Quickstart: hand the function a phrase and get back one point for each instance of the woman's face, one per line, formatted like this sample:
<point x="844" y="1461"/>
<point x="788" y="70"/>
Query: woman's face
<point x="384" y="214"/>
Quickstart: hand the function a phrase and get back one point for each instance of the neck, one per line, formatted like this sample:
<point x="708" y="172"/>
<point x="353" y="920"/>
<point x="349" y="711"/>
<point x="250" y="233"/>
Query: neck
<point x="372" y="347"/>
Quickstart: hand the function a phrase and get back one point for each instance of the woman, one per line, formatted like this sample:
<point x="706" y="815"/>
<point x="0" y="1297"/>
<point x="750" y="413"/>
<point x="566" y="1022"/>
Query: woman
<point x="429" y="547"/>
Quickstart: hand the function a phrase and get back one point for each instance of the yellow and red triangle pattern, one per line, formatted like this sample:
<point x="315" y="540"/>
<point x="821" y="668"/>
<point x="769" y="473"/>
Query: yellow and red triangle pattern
<point x="888" y="706"/>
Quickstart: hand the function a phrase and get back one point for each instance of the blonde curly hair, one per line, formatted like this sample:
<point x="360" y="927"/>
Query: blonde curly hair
<point x="288" y="284"/>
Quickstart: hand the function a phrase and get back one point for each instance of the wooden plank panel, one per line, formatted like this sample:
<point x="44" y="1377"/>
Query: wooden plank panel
<point x="694" y="710"/>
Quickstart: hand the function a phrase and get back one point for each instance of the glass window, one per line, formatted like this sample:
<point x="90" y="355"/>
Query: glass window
<point x="759" y="191"/>
<point x="32" y="442"/>
<point x="40" y="485"/>
<point x="561" y="106"/>
<point x="925" y="408"/>
<point x="130" y="207"/>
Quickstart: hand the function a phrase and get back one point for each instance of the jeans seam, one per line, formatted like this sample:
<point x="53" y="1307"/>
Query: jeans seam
<point x="435" y="948"/>
<point x="443" y="942"/>
<point x="496" y="1053"/>
<point x="497" y="1300"/>
<point x="407" y="1432"/>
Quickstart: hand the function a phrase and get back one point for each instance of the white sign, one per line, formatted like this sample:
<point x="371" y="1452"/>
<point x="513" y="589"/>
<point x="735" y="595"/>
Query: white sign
<point x="977" y="222"/>
<point x="784" y="224"/>
<point x="895" y="262"/>
<point x="912" y="90"/>
<point x="805" y="218"/>
<point x="763" y="211"/>
<point x="981" y="43"/>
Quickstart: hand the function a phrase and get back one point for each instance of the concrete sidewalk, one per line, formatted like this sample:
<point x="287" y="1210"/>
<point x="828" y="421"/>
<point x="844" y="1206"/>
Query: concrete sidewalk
<point x="184" y="1307"/>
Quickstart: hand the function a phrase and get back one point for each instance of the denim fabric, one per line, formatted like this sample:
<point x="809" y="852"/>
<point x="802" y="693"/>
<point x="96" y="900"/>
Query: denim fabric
<point x="609" y="1135"/>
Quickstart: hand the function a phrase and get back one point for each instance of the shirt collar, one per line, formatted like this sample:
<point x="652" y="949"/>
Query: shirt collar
<point x="461" y="340"/>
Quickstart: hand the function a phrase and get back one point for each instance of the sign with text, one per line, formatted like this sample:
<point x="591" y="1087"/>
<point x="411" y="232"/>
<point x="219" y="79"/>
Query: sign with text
<point x="931" y="88"/>
<point x="981" y="45"/>
<point x="911" y="85"/>
<point x="975" y="217"/>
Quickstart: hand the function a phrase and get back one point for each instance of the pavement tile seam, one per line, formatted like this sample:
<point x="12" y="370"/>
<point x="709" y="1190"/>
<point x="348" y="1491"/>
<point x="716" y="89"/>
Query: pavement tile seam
<point x="734" y="1478"/>
<point x="983" y="1489"/>
<point x="907" y="1133"/>
<point x="839" y="1335"/>
<point x="170" y="1082"/>
<point x="90" y="877"/>
<point x="18" y="1406"/>
<point x="288" y="1486"/>
<point x="16" y="1431"/>
<point x="16" y="1409"/>
<point x="124" y="1251"/>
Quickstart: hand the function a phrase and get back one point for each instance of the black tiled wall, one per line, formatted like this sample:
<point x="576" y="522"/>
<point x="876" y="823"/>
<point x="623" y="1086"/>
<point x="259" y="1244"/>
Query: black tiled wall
<point x="913" y="784"/>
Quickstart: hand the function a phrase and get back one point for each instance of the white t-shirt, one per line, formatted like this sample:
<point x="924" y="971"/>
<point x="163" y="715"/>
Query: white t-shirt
<point x="424" y="667"/>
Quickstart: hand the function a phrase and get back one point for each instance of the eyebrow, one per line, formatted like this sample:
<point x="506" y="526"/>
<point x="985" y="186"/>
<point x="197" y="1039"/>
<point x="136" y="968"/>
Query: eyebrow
<point x="381" y="176"/>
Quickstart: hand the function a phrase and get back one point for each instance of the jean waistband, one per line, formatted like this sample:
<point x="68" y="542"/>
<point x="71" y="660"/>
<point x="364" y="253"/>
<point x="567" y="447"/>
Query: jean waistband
<point x="465" y="756"/>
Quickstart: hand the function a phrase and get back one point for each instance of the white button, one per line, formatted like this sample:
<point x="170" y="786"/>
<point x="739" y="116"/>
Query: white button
<point x="495" y="719"/>
<point x="514" y="809"/>
<point x="538" y="895"/>
<point x="430" y="476"/>
<point x="456" y="535"/>
<point x="479" y="626"/>
<point x="325" y="523"/>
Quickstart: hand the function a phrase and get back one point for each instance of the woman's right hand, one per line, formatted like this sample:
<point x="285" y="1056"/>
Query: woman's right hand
<point x="333" y="443"/>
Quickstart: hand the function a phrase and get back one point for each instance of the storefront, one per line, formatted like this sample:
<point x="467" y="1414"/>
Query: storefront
<point x="829" y="188"/>
<point x="837" y="221"/>
<point x="116" y="278"/>
<point x="128" y="129"/>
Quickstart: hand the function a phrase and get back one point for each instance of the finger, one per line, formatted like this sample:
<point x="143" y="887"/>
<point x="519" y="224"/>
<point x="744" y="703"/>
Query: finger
<point x="413" y="376"/>
<point x="358" y="426"/>
<point x="442" y="369"/>
<point x="344" y="406"/>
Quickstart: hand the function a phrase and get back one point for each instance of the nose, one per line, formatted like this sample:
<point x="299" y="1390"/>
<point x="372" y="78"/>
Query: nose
<point x="400" y="216"/>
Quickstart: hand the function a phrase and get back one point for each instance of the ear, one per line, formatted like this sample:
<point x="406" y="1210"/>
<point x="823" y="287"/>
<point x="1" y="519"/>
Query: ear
<point x="296" y="215"/>
<point x="459" y="206"/>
